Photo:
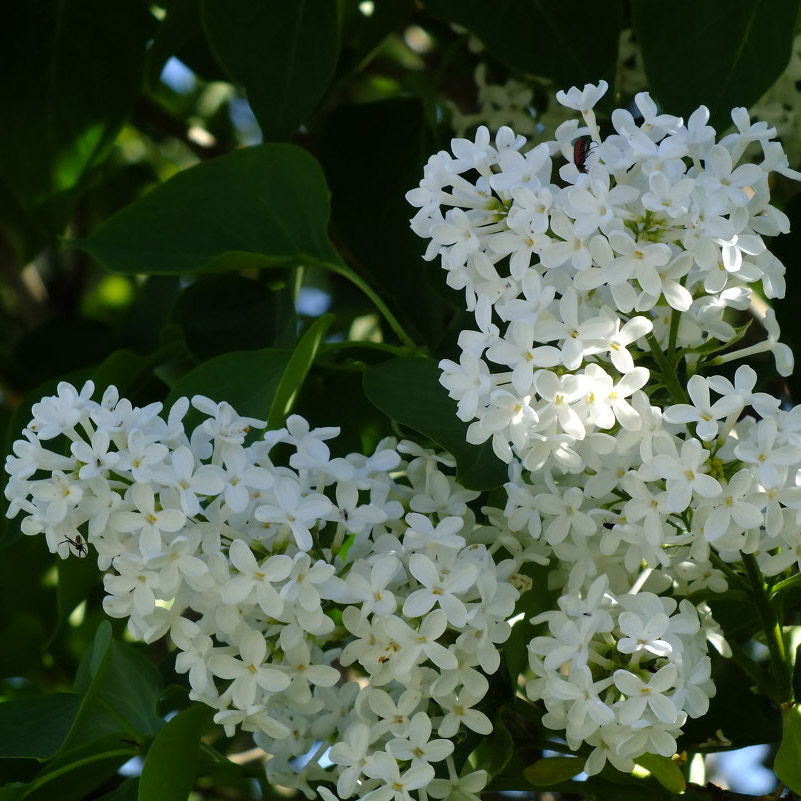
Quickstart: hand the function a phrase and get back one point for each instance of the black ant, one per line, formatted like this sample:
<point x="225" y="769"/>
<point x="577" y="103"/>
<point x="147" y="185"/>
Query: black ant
<point x="78" y="544"/>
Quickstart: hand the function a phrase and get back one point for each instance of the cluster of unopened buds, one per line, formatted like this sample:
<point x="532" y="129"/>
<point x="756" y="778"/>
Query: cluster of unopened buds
<point x="603" y="301"/>
<point x="351" y="602"/>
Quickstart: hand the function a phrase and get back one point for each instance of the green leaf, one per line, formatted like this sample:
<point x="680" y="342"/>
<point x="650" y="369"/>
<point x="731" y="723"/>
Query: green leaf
<point x="221" y="313"/>
<point x="120" y="369"/>
<point x="77" y="67"/>
<point x="127" y="791"/>
<point x="83" y="343"/>
<point x="13" y="792"/>
<point x="743" y="716"/>
<point x="297" y="369"/>
<point x="408" y="390"/>
<point x="72" y="776"/>
<point x="284" y="54"/>
<point x="36" y="727"/>
<point x="76" y="577"/>
<point x="664" y="770"/>
<point x="797" y="673"/>
<point x="133" y="686"/>
<point x="495" y="750"/>
<point x="751" y="42"/>
<point x="150" y="313"/>
<point x="553" y="770"/>
<point x="181" y="35"/>
<point x="362" y="35"/>
<point x="572" y="43"/>
<point x="262" y="206"/>
<point x="532" y="602"/>
<point x="121" y="690"/>
<point x="787" y="765"/>
<point x="169" y="768"/>
<point x="359" y="164"/>
<point x="248" y="380"/>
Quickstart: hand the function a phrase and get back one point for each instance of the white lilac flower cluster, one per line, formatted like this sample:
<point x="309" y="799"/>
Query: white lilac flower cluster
<point x="350" y="601"/>
<point x="602" y="294"/>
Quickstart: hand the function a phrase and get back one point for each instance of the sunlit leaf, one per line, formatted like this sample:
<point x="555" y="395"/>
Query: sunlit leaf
<point x="268" y="203"/>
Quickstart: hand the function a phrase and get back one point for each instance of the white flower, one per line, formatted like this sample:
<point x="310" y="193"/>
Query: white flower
<point x="459" y="711"/>
<point x="415" y="646"/>
<point x="396" y="786"/>
<point x="582" y="99"/>
<point x="248" y="671"/>
<point x="685" y="475"/>
<point x="146" y="521"/>
<point x="735" y="505"/>
<point x="439" y="587"/>
<point x="257" y="579"/>
<point x="702" y="412"/>
<point x="416" y="746"/>
<point x="298" y="512"/>
<point x="641" y="695"/>
<point x="351" y="752"/>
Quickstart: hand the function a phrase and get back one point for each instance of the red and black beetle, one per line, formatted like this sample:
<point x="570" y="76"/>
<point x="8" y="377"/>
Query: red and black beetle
<point x="581" y="149"/>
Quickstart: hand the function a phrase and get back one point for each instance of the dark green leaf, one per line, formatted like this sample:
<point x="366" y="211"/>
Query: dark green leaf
<point x="13" y="792"/>
<point x="297" y="369"/>
<point x="121" y="369"/>
<point x="337" y="398"/>
<point x="73" y="775"/>
<point x="221" y="313"/>
<point x="495" y="750"/>
<point x="82" y="343"/>
<point x="122" y="688"/>
<point x="127" y="791"/>
<point x="360" y="164"/>
<point x="751" y="42"/>
<point x="266" y="204"/>
<point x="76" y="577"/>
<point x="181" y="35"/>
<point x="572" y="43"/>
<point x="362" y="34"/>
<point x="532" y="602"/>
<point x="76" y="67"/>
<point x="36" y="727"/>
<point x="600" y="789"/>
<point x="664" y="770"/>
<point x="150" y="313"/>
<point x="554" y="770"/>
<point x="170" y="763"/>
<point x="132" y="687"/>
<point x="788" y="759"/>
<point x="284" y="55"/>
<point x="248" y="380"/>
<point x="408" y="390"/>
<point x="23" y="235"/>
<point x="744" y="717"/>
<point x="797" y="673"/>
